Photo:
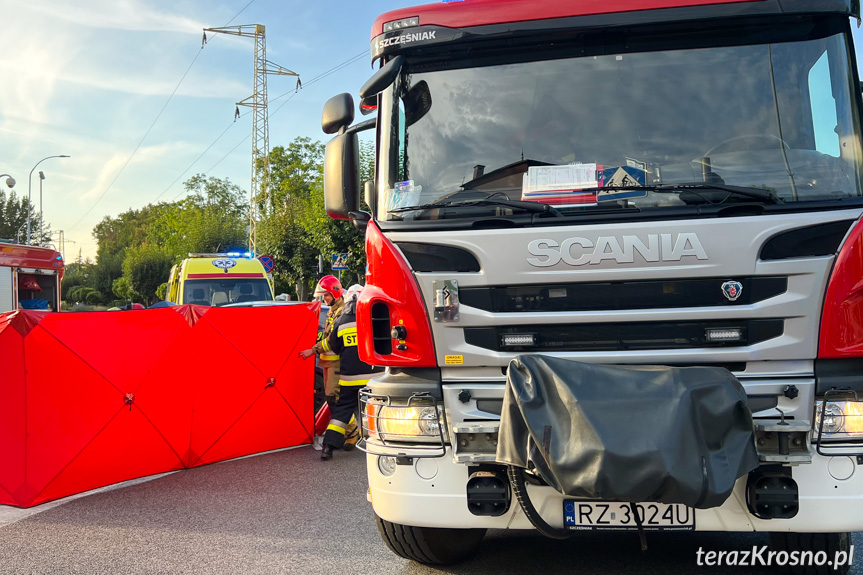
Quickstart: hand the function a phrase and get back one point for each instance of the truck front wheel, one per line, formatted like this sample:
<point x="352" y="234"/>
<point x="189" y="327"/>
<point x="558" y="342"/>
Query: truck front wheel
<point x="834" y="547"/>
<point x="430" y="545"/>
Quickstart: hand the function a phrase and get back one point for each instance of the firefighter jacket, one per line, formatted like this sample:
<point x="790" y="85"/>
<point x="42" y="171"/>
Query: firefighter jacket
<point x="332" y="316"/>
<point x="343" y="340"/>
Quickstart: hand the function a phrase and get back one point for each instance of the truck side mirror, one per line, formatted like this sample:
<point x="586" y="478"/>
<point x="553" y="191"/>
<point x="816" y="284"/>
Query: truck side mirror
<point x="368" y="105"/>
<point x="382" y="78"/>
<point x="338" y="114"/>
<point x="342" y="176"/>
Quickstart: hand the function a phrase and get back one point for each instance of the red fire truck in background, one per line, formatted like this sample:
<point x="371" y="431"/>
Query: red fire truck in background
<point x="565" y="189"/>
<point x="29" y="277"/>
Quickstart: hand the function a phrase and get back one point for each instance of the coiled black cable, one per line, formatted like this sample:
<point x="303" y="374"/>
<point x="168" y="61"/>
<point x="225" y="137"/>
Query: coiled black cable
<point x="519" y="488"/>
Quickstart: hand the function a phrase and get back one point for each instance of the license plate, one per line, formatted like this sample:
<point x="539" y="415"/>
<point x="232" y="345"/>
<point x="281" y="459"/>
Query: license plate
<point x="614" y="515"/>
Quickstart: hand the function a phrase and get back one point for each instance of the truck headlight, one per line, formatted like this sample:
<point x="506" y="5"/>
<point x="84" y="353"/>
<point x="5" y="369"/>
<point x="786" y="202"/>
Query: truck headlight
<point x="842" y="419"/>
<point x="411" y="423"/>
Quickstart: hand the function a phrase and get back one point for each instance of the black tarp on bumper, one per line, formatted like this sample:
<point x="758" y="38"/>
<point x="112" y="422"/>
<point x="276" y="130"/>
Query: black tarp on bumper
<point x="672" y="435"/>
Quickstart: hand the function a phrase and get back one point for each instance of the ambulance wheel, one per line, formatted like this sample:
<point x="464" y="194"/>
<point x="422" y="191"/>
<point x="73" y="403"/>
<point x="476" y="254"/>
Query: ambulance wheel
<point x="429" y="545"/>
<point x="829" y="545"/>
<point x="320" y="398"/>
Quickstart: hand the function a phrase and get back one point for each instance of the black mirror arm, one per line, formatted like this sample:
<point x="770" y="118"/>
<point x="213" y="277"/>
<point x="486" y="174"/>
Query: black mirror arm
<point x="360" y="219"/>
<point x="362" y="126"/>
<point x="381" y="79"/>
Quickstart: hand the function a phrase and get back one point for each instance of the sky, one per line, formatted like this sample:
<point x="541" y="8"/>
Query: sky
<point x="88" y="78"/>
<point x="93" y="79"/>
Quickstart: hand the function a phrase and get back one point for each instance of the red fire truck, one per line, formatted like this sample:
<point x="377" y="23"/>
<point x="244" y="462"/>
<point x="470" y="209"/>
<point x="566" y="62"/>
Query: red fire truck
<point x="29" y="277"/>
<point x="615" y="265"/>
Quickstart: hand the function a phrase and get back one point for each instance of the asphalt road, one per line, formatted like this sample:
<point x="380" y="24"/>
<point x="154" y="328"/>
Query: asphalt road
<point x="288" y="512"/>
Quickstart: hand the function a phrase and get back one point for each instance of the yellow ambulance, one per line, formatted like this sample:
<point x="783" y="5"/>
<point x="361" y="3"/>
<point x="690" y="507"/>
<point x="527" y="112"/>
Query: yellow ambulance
<point x="219" y="279"/>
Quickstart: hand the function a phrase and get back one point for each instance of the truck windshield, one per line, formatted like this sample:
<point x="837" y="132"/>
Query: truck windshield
<point x="219" y="292"/>
<point x="778" y="117"/>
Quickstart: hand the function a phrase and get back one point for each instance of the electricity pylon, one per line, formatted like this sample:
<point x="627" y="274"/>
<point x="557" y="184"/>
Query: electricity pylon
<point x="62" y="242"/>
<point x="260" y="128"/>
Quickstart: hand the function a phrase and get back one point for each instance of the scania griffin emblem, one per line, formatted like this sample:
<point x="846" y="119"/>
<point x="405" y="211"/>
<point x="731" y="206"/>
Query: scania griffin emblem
<point x="732" y="290"/>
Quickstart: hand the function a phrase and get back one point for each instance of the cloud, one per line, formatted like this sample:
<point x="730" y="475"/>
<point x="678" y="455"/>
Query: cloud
<point x="145" y="159"/>
<point x="117" y="15"/>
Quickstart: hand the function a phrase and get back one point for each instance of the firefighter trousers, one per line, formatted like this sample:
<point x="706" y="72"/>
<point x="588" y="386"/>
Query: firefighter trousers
<point x="332" y="390"/>
<point x="343" y="416"/>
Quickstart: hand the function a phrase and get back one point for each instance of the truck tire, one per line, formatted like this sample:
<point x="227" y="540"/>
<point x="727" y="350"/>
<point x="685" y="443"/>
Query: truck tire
<point x="430" y="545"/>
<point x="829" y="543"/>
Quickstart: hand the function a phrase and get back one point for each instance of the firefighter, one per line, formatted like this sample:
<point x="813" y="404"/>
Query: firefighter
<point x="330" y="290"/>
<point x="354" y="375"/>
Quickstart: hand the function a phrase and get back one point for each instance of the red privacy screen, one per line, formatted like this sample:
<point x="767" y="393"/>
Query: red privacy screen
<point x="90" y="399"/>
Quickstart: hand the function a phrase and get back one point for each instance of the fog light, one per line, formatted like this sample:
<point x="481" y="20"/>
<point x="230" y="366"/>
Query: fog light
<point x="517" y="339"/>
<point x="429" y="421"/>
<point x="724" y="334"/>
<point x="387" y="465"/>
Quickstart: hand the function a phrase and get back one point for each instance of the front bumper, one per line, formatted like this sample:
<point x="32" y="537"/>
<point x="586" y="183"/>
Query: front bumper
<point x="431" y="492"/>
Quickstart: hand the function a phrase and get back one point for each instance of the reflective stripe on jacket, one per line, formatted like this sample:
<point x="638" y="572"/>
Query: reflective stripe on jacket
<point x="343" y="340"/>
<point x="321" y="348"/>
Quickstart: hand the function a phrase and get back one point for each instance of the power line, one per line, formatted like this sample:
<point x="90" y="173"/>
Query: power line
<point x="225" y="131"/>
<point x="152" y="125"/>
<point x="240" y="12"/>
<point x="292" y="93"/>
<point x="323" y="75"/>
<point x="132" y="155"/>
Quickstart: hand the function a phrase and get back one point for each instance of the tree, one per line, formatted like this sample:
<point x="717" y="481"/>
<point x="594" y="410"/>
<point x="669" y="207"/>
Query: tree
<point x="13" y="221"/>
<point x="122" y="288"/>
<point x="295" y="171"/>
<point x="162" y="291"/>
<point x="212" y="218"/>
<point x="296" y="228"/>
<point x="145" y="268"/>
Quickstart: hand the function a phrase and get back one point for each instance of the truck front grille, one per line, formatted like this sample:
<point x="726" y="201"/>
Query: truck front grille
<point x="625" y="336"/>
<point x="599" y="296"/>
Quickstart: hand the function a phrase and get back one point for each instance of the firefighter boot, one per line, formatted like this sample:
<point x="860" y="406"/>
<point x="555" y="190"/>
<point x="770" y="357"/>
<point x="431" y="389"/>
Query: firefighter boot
<point x="351" y="439"/>
<point x="326" y="452"/>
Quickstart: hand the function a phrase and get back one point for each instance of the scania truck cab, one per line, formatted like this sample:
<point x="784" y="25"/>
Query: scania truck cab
<point x="609" y="188"/>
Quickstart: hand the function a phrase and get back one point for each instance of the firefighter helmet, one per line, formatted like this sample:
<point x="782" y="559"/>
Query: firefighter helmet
<point x="330" y="285"/>
<point x="354" y="290"/>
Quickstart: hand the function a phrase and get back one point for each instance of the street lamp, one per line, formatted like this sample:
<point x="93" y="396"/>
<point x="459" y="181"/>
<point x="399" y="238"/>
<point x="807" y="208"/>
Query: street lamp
<point x="41" y="218"/>
<point x="10" y="181"/>
<point x="30" y="195"/>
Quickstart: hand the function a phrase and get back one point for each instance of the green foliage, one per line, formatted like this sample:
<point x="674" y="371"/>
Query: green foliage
<point x="83" y="294"/>
<point x="162" y="291"/>
<point x="145" y="268"/>
<point x="122" y="288"/>
<point x="296" y="229"/>
<point x="212" y="218"/>
<point x="73" y="294"/>
<point x="13" y="219"/>
<point x="137" y="247"/>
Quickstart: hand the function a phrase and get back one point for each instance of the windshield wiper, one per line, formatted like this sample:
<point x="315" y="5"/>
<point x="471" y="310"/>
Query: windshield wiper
<point x="521" y="205"/>
<point x="694" y="187"/>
